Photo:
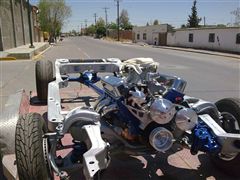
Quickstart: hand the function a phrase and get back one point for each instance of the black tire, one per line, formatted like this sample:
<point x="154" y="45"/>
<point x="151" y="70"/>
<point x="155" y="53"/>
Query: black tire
<point x="31" y="163"/>
<point x="44" y="75"/>
<point x="229" y="164"/>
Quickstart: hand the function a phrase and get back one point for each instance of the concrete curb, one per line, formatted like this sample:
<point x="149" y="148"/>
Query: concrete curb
<point x="7" y="58"/>
<point x="38" y="56"/>
<point x="23" y="52"/>
<point x="201" y="52"/>
<point x="235" y="56"/>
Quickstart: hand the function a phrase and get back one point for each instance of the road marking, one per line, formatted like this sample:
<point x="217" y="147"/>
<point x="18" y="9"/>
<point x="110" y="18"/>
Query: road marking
<point x="85" y="54"/>
<point x="40" y="55"/>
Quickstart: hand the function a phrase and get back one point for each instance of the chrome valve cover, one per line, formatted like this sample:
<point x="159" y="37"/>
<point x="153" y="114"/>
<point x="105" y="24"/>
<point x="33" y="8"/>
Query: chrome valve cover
<point x="186" y="119"/>
<point x="162" y="111"/>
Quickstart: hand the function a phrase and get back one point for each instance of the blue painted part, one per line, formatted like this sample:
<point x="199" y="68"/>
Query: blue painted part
<point x="95" y="88"/>
<point x="131" y="121"/>
<point x="74" y="79"/>
<point x="172" y="95"/>
<point x="89" y="79"/>
<point x="204" y="140"/>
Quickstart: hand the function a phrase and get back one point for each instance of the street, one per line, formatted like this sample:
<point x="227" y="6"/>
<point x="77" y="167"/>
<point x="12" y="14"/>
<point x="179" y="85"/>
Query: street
<point x="209" y="77"/>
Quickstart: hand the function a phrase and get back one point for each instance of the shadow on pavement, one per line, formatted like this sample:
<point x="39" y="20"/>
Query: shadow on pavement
<point x="157" y="167"/>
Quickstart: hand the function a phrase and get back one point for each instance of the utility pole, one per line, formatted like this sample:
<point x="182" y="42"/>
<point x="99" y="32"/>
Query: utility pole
<point x="106" y="15"/>
<point x="81" y="27"/>
<point x="85" y="31"/>
<point x="85" y="23"/>
<point x="204" y="21"/>
<point x="118" y="22"/>
<point x="95" y="16"/>
<point x="106" y="18"/>
<point x="30" y="25"/>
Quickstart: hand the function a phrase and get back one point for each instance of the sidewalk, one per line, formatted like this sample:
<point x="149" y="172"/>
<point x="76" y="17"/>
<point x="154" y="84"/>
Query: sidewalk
<point x="23" y="52"/>
<point x="216" y="53"/>
<point x="201" y="51"/>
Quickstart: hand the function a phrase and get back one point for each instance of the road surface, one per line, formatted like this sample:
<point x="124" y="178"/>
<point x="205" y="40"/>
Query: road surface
<point x="209" y="77"/>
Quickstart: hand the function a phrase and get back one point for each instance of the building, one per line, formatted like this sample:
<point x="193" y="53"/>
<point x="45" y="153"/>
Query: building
<point x="14" y="26"/>
<point x="153" y="34"/>
<point x="212" y="38"/>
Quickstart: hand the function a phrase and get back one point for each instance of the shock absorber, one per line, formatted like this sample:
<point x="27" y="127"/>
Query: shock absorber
<point x="79" y="148"/>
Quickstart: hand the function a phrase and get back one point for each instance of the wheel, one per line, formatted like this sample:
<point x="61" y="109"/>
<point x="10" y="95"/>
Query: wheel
<point x="30" y="148"/>
<point x="230" y="122"/>
<point x="44" y="75"/>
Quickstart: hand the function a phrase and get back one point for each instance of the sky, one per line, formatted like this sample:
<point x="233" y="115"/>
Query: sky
<point x="174" y="12"/>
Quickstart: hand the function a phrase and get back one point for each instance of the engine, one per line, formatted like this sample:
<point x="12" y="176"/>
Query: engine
<point x="148" y="109"/>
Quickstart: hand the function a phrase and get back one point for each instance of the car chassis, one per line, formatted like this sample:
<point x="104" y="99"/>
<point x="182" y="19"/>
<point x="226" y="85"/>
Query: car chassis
<point x="203" y="133"/>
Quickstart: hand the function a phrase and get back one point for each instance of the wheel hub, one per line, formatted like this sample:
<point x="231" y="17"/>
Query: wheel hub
<point x="230" y="124"/>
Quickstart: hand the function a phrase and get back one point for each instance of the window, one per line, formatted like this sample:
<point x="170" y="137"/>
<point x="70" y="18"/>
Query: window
<point x="138" y="36"/>
<point x="238" y="38"/>
<point x="190" y="37"/>
<point x="144" y="36"/>
<point x="211" y="37"/>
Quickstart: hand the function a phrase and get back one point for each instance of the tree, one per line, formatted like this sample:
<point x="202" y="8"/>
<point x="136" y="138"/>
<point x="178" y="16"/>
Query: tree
<point x="91" y="30"/>
<point x="183" y="26"/>
<point x="193" y="19"/>
<point x="147" y="24"/>
<point x="236" y="13"/>
<point x="100" y="27"/>
<point x="221" y="25"/>
<point x="112" y="25"/>
<point x="155" y="22"/>
<point x="124" y="20"/>
<point x="52" y="15"/>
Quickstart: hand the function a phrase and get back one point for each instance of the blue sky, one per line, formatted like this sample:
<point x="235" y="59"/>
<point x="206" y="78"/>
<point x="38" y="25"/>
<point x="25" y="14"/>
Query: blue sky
<point x="174" y="12"/>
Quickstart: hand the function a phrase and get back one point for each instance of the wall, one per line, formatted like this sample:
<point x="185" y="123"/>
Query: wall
<point x="124" y="34"/>
<point x="6" y="25"/>
<point x="13" y="24"/>
<point x="226" y="37"/>
<point x="151" y="32"/>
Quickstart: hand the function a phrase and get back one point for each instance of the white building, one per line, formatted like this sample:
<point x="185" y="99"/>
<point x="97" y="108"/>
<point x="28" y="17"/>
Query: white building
<point x="154" y="34"/>
<point x="223" y="39"/>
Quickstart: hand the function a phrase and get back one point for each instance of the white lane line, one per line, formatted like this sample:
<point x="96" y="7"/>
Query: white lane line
<point x="85" y="54"/>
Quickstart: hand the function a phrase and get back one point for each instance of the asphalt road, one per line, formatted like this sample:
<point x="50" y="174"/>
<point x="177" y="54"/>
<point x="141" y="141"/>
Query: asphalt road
<point x="209" y="77"/>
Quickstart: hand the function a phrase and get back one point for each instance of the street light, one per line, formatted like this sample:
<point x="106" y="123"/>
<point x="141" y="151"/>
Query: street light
<point x="30" y="26"/>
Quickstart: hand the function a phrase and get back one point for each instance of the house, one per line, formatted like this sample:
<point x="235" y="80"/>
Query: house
<point x="212" y="38"/>
<point x="153" y="34"/>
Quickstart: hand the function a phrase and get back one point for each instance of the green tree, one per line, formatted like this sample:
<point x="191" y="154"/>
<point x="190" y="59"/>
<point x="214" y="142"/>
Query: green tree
<point x="155" y="22"/>
<point x="100" y="28"/>
<point x="112" y="25"/>
<point x="124" y="20"/>
<point x="183" y="26"/>
<point x="221" y="25"/>
<point x="53" y="15"/>
<point x="91" y="30"/>
<point x="193" y="19"/>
